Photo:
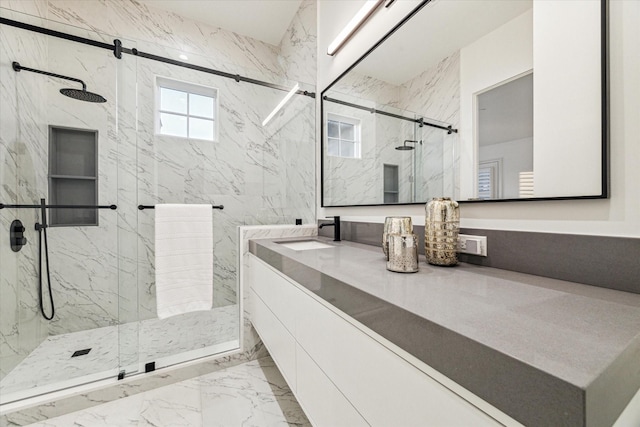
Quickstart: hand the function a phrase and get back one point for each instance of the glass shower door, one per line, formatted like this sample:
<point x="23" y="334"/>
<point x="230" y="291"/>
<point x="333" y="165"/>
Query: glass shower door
<point x="67" y="152"/>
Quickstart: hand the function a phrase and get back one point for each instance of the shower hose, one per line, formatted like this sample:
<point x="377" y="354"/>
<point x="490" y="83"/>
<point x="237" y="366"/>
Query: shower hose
<point x="42" y="230"/>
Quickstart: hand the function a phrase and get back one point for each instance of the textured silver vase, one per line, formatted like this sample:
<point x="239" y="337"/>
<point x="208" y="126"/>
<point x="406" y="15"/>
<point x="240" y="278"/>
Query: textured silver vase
<point x="402" y="253"/>
<point x="441" y="229"/>
<point x="395" y="225"/>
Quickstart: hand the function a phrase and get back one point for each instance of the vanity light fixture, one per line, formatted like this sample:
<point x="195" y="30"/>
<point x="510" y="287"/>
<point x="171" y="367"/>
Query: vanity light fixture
<point x="353" y="25"/>
<point x="183" y="57"/>
<point x="281" y="104"/>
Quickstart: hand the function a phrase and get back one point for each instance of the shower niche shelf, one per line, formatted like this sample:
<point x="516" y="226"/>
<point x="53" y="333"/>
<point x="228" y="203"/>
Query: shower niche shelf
<point x="73" y="175"/>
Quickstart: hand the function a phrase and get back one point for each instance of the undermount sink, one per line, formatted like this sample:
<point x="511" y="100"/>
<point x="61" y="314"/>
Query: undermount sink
<point x="305" y="245"/>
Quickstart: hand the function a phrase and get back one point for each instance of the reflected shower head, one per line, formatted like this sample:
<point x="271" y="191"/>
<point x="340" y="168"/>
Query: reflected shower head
<point x="79" y="94"/>
<point x="405" y="147"/>
<point x="82" y="95"/>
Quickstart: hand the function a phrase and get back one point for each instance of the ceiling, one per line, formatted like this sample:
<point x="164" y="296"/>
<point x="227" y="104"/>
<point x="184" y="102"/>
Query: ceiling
<point x="265" y="20"/>
<point x="441" y="28"/>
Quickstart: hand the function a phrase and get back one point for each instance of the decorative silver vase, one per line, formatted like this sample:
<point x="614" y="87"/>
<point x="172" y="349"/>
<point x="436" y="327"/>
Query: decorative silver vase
<point x="441" y="229"/>
<point x="402" y="253"/>
<point x="395" y="225"/>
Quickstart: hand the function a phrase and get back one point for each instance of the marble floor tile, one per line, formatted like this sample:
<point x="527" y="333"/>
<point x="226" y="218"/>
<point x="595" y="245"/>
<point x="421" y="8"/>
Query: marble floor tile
<point x="251" y="394"/>
<point x="50" y="366"/>
<point x="255" y="395"/>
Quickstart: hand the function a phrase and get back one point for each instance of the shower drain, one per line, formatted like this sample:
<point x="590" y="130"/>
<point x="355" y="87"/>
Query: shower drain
<point x="81" y="352"/>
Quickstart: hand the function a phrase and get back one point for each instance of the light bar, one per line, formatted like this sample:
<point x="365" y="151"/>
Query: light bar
<point x="353" y="25"/>
<point x="281" y="104"/>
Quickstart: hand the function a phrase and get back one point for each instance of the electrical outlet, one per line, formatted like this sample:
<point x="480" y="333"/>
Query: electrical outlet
<point x="474" y="245"/>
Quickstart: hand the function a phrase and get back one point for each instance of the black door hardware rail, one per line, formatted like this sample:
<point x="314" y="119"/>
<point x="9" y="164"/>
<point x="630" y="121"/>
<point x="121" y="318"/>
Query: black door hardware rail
<point x="420" y="121"/>
<point x="118" y="50"/>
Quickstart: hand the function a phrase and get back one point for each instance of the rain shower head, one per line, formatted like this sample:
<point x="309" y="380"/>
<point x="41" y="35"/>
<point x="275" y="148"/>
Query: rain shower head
<point x="82" y="95"/>
<point x="405" y="147"/>
<point x="79" y="94"/>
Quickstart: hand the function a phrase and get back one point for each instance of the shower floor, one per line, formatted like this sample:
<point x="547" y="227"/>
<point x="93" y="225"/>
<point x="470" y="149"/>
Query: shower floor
<point x="51" y="366"/>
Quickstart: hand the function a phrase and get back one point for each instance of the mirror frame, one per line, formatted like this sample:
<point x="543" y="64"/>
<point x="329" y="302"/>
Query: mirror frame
<point x="604" y="83"/>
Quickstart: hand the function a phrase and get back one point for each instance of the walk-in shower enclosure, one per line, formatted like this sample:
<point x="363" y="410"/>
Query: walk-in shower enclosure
<point x="167" y="134"/>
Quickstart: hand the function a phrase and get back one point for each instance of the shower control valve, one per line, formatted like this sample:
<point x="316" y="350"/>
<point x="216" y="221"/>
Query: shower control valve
<point x="16" y="235"/>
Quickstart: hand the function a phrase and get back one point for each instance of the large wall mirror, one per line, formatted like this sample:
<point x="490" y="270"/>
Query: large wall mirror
<point x="486" y="100"/>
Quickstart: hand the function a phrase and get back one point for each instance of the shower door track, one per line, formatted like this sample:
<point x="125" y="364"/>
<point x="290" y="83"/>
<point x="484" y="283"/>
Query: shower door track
<point x="118" y="50"/>
<point x="421" y="121"/>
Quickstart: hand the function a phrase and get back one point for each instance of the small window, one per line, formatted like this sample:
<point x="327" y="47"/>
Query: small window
<point x="186" y="110"/>
<point x="343" y="137"/>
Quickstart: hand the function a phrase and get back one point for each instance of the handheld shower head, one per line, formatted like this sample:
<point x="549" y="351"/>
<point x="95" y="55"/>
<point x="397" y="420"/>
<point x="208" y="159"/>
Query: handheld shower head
<point x="405" y="147"/>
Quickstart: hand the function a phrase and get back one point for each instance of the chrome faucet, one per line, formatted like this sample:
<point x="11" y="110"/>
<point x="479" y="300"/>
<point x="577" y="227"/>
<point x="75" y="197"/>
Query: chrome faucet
<point x="336" y="227"/>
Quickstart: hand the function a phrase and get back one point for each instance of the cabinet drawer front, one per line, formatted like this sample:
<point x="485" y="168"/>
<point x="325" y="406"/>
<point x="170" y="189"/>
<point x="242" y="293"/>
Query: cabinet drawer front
<point x="387" y="390"/>
<point x="322" y="401"/>
<point x="276" y="292"/>
<point x="277" y="339"/>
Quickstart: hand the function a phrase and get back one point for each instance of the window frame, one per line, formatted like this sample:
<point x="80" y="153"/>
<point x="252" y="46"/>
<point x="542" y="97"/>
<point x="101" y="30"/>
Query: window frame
<point x="357" y="124"/>
<point x="190" y="89"/>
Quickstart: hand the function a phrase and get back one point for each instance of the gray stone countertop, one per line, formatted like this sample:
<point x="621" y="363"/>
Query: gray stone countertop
<point x="544" y="351"/>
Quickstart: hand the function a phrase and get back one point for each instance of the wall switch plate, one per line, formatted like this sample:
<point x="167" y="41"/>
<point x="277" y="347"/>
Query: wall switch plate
<point x="474" y="245"/>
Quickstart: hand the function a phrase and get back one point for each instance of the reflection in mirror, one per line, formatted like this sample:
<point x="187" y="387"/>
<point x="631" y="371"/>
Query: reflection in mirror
<point x="505" y="139"/>
<point x="459" y="79"/>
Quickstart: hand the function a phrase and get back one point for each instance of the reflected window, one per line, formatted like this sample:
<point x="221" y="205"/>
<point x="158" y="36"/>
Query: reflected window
<point x="489" y="179"/>
<point x="343" y="136"/>
<point x="186" y="110"/>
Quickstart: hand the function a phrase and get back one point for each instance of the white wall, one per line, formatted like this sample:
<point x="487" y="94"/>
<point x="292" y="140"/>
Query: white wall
<point x="567" y="126"/>
<point x="617" y="216"/>
<point x="499" y="56"/>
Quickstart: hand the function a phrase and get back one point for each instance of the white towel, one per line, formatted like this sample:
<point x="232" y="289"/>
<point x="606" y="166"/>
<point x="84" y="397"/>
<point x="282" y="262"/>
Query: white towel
<point x="184" y="259"/>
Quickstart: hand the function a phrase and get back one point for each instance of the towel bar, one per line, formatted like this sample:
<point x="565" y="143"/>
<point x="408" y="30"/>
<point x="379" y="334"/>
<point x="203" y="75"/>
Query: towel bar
<point x="143" y="207"/>
<point x="112" y="207"/>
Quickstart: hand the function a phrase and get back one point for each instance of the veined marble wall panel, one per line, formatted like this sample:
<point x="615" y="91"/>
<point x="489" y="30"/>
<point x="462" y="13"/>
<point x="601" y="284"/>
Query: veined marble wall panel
<point x="360" y="181"/>
<point x="84" y="260"/>
<point x="137" y="21"/>
<point x="37" y="8"/>
<point x="297" y="132"/>
<point x="127" y="214"/>
<point x="23" y="100"/>
<point x="362" y="89"/>
<point x="431" y="174"/>
<point x="347" y="180"/>
<point x="298" y="48"/>
<point x="435" y="93"/>
<point x="245" y="169"/>
<point x="391" y="133"/>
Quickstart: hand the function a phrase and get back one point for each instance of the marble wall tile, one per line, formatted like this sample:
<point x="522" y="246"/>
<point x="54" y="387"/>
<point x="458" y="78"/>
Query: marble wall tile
<point x="299" y="43"/>
<point x="37" y="8"/>
<point x="21" y="328"/>
<point x="438" y="99"/>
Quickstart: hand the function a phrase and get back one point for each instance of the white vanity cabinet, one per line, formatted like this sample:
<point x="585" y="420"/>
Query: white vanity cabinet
<point x="339" y="372"/>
